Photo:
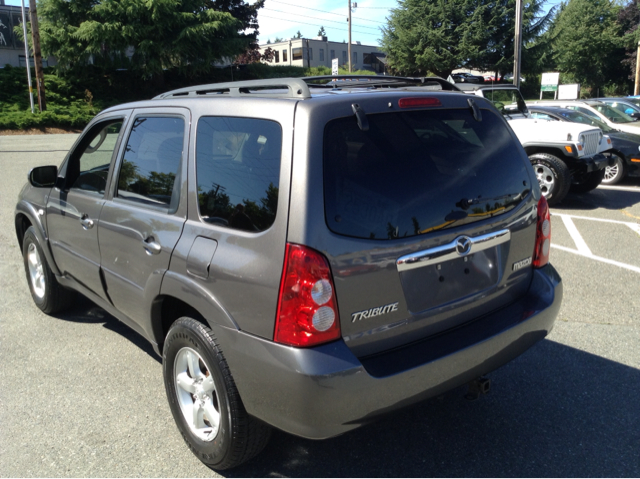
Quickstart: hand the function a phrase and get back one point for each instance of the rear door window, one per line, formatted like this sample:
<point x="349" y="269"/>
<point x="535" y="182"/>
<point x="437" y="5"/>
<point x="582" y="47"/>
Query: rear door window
<point x="419" y="171"/>
<point x="238" y="171"/>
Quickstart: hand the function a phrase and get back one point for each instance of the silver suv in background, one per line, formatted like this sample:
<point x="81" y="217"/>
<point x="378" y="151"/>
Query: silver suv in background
<point x="305" y="254"/>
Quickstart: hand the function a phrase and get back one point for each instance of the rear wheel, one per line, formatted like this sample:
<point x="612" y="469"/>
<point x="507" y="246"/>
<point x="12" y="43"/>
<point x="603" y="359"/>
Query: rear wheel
<point x="614" y="174"/>
<point x="204" y="399"/>
<point x="46" y="292"/>
<point x="585" y="182"/>
<point x="553" y="176"/>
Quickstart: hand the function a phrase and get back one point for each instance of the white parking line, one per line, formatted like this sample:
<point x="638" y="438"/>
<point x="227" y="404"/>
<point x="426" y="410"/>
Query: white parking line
<point x="635" y="269"/>
<point x="620" y="188"/>
<point x="583" y="249"/>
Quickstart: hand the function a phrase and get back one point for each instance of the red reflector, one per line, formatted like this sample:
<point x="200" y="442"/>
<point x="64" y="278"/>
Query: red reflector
<point x="307" y="308"/>
<point x="411" y="102"/>
<point x="543" y="235"/>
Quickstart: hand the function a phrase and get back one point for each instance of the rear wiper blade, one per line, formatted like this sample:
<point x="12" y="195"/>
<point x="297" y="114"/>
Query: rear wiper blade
<point x="466" y="203"/>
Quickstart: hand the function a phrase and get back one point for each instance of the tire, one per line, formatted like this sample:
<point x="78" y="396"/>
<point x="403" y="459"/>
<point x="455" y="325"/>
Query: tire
<point x="614" y="174"/>
<point x="553" y="176"/>
<point x="586" y="182"/>
<point x="204" y="399"/>
<point x="46" y="292"/>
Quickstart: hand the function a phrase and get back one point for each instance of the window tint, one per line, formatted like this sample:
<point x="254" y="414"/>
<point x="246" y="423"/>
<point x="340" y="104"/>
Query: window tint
<point x="419" y="171"/>
<point x="89" y="172"/>
<point x="284" y="55"/>
<point x="296" y="53"/>
<point x="238" y="171"/>
<point x="151" y="162"/>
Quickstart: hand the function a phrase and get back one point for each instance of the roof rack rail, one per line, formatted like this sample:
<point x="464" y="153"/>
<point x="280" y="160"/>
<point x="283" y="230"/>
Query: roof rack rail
<point x="295" y="88"/>
<point x="378" y="80"/>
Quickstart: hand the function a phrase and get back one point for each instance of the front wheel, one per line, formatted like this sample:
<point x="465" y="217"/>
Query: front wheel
<point x="585" y="182"/>
<point x="614" y="174"/>
<point x="46" y="292"/>
<point x="204" y="399"/>
<point x="553" y="177"/>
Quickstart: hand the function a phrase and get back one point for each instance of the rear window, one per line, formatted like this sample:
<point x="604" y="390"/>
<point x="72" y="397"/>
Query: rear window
<point x="419" y="171"/>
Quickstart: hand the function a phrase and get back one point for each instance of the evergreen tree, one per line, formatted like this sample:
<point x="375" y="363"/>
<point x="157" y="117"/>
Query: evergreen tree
<point x="147" y="36"/>
<point x="322" y="32"/>
<point x="298" y="35"/>
<point x="587" y="41"/>
<point x="423" y="36"/>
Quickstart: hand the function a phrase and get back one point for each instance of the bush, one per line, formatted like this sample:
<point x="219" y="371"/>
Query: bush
<point x="74" y="98"/>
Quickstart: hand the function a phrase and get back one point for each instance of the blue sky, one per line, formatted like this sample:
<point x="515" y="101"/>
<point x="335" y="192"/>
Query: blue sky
<point x="283" y="18"/>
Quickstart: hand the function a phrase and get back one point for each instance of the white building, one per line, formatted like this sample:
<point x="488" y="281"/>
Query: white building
<point x="314" y="52"/>
<point x="11" y="47"/>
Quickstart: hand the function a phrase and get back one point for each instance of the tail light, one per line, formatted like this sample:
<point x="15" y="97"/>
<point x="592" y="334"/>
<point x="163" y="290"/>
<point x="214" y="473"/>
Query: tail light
<point x="543" y="235"/>
<point x="307" y="307"/>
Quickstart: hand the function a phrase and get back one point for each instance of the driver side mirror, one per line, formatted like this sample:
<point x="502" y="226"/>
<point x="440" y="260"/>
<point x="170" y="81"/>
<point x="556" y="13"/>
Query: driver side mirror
<point x="43" y="176"/>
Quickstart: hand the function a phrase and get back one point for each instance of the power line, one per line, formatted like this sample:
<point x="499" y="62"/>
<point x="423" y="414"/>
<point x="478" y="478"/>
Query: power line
<point x="325" y="11"/>
<point x="323" y="19"/>
<point x="315" y="25"/>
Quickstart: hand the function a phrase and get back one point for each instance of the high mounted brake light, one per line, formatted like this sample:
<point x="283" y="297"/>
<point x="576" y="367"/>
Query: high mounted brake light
<point x="543" y="235"/>
<point x="307" y="312"/>
<point x="414" y="102"/>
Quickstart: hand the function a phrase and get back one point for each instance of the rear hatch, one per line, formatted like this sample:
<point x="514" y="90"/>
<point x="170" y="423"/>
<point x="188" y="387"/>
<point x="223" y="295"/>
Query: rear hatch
<point x="433" y="221"/>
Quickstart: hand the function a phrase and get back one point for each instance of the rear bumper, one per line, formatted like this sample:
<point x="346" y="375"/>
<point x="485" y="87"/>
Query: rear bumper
<point x="325" y="391"/>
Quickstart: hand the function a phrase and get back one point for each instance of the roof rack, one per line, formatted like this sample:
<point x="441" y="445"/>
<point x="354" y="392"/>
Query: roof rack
<point x="377" y="81"/>
<point x="295" y="88"/>
<point x="298" y="88"/>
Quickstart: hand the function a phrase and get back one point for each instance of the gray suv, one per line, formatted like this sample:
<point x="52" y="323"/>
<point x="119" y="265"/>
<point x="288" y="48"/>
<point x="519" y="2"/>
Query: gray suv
<point x="305" y="254"/>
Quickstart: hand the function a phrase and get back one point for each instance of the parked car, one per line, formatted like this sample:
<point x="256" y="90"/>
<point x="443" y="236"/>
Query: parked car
<point x="304" y="256"/>
<point x="625" y="147"/>
<point x="467" y="78"/>
<point x="598" y="110"/>
<point x="624" y="106"/>
<point x="509" y="77"/>
<point x="566" y="157"/>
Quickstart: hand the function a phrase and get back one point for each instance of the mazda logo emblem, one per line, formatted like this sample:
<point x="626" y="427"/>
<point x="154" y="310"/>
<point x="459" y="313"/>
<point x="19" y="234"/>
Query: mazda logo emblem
<point x="463" y="245"/>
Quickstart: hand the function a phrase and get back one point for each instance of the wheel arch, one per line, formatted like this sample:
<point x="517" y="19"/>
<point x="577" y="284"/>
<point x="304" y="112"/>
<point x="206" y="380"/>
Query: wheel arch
<point x="27" y="216"/>
<point x="184" y="296"/>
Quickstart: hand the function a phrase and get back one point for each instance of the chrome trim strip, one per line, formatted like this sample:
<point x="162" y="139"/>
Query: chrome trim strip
<point x="448" y="251"/>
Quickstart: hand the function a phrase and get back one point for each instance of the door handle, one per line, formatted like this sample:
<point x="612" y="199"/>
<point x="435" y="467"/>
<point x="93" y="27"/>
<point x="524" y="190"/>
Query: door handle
<point x="86" y="222"/>
<point x="151" y="246"/>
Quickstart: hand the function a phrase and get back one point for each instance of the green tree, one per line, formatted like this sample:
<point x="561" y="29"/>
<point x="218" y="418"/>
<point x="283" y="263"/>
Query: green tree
<point x="147" y="36"/>
<point x="587" y="41"/>
<point x="322" y="32"/>
<point x="298" y="35"/>
<point x="423" y="36"/>
<point x="498" y="55"/>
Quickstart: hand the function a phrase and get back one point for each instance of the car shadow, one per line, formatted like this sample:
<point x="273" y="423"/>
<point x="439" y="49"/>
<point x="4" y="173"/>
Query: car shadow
<point x="86" y="311"/>
<point x="600" y="198"/>
<point x="556" y="411"/>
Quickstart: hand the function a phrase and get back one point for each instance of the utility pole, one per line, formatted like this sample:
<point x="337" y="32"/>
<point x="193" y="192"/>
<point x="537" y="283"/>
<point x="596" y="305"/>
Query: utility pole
<point x="349" y="47"/>
<point x="26" y="54"/>
<point x="37" y="55"/>
<point x="517" y="45"/>
<point x="636" y="88"/>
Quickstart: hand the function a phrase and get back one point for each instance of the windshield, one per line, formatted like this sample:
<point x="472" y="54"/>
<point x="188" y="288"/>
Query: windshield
<point x="577" y="117"/>
<point x="507" y="101"/>
<point x="414" y="172"/>
<point x="612" y="114"/>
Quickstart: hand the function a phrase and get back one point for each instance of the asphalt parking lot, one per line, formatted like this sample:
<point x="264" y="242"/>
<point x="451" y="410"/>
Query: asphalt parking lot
<point x="82" y="395"/>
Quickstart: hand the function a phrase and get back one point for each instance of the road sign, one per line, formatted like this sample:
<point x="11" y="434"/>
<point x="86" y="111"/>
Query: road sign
<point x="334" y="67"/>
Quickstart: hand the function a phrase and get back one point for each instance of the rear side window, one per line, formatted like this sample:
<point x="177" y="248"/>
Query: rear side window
<point x="151" y="162"/>
<point x="419" y="171"/>
<point x="238" y="171"/>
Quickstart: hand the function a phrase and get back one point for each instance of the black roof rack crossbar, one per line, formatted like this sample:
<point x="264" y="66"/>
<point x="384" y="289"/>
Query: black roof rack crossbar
<point x="289" y="88"/>
<point x="376" y="80"/>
